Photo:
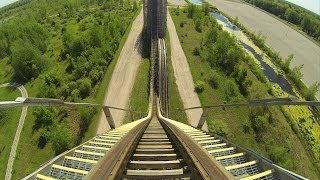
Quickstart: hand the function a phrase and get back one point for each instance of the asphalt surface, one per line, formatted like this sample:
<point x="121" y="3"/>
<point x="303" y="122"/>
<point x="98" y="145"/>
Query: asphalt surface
<point x="123" y="77"/>
<point x="16" y="139"/>
<point x="281" y="37"/>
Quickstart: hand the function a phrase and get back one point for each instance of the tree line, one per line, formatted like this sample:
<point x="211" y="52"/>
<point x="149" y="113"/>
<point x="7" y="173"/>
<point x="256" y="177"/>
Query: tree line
<point x="308" y="21"/>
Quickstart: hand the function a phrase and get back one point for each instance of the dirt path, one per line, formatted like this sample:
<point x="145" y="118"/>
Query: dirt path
<point x="280" y="37"/>
<point x="183" y="76"/>
<point x="122" y="80"/>
<point x="177" y="3"/>
<point x="14" y="145"/>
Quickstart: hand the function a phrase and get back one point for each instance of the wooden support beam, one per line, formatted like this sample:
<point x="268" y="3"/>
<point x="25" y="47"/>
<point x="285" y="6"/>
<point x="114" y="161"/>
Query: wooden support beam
<point x="203" y="118"/>
<point x="110" y="120"/>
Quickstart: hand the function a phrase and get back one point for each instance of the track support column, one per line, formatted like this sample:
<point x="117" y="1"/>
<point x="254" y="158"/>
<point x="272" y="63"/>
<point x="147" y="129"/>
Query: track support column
<point x="203" y="118"/>
<point x="109" y="117"/>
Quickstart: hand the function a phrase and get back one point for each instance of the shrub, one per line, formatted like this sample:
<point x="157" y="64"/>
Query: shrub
<point x="199" y="86"/>
<point x="231" y="90"/>
<point x="241" y="78"/>
<point x="44" y="117"/>
<point x="198" y="25"/>
<point x="196" y="51"/>
<point x="84" y="86"/>
<point x="213" y="79"/>
<point x="311" y="92"/>
<point x="259" y="123"/>
<point x="60" y="137"/>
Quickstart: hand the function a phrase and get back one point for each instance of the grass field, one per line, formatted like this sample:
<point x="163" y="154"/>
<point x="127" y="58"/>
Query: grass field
<point x="9" y="119"/>
<point x="276" y="140"/>
<point x="139" y="98"/>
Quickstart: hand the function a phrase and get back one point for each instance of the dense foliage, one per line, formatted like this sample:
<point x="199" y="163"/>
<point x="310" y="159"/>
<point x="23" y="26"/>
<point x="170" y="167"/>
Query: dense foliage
<point x="61" y="49"/>
<point x="221" y="51"/>
<point x="306" y="20"/>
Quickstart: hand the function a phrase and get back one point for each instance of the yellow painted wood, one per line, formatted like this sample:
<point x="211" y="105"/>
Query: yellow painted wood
<point x="221" y="150"/>
<point x="70" y="169"/>
<point x="237" y="166"/>
<point x="100" y="143"/>
<point x="230" y="156"/>
<point x="96" y="147"/>
<point x="106" y="140"/>
<point x="43" y="177"/>
<point x="259" y="175"/>
<point x="209" y="141"/>
<point x="81" y="159"/>
<point x="215" y="145"/>
<point x="88" y="152"/>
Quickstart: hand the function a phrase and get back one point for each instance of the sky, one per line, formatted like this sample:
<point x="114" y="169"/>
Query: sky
<point x="312" y="5"/>
<point x="6" y="2"/>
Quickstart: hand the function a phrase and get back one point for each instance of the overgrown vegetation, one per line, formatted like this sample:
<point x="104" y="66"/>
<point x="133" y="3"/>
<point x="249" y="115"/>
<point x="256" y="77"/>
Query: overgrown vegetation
<point x="307" y="21"/>
<point x="60" y="49"/>
<point x="230" y="75"/>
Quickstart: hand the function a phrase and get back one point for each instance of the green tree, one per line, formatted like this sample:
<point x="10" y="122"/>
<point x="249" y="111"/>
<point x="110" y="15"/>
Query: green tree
<point x="292" y="16"/>
<point x="26" y="60"/>
<point x="84" y="87"/>
<point x="60" y="137"/>
<point x="44" y="117"/>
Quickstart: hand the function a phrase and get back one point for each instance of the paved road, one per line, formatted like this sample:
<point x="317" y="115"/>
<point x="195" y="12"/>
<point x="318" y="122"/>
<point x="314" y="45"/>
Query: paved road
<point x="183" y="76"/>
<point x="123" y="76"/>
<point x="14" y="146"/>
<point x="280" y="37"/>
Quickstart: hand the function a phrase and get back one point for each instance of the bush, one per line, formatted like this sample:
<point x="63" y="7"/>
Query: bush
<point x="231" y="90"/>
<point x="198" y="25"/>
<point x="84" y="86"/>
<point x="259" y="123"/>
<point x="311" y="92"/>
<point x="44" y="117"/>
<point x="213" y="79"/>
<point x="60" y="137"/>
<point x="199" y="86"/>
<point x="241" y="78"/>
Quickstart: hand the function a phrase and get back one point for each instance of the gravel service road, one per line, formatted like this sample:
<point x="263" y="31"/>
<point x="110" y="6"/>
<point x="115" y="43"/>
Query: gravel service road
<point x="123" y="77"/>
<point x="183" y="76"/>
<point x="279" y="36"/>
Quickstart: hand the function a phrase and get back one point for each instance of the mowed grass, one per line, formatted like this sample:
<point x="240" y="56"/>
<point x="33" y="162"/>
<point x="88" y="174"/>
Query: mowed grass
<point x="277" y="141"/>
<point x="9" y="119"/>
<point x="139" y="97"/>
